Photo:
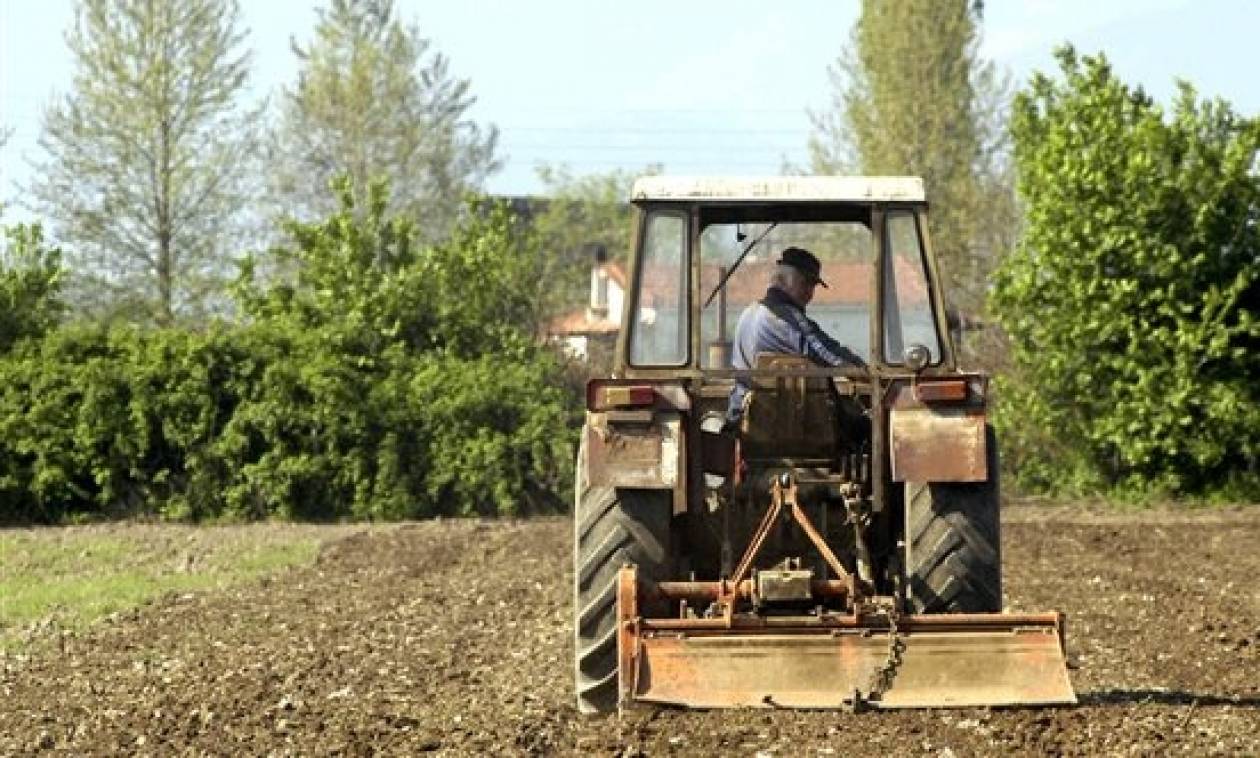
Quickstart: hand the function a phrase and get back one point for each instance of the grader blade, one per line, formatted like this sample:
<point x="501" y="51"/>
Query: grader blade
<point x="843" y="660"/>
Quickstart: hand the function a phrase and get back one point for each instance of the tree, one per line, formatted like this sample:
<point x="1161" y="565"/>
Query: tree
<point x="372" y="101"/>
<point x="379" y="383"/>
<point x="30" y="285"/>
<point x="363" y="268"/>
<point x="145" y="183"/>
<point x="4" y="140"/>
<point x="1131" y="300"/>
<point x="581" y="213"/>
<point x="911" y="95"/>
<point x="423" y="389"/>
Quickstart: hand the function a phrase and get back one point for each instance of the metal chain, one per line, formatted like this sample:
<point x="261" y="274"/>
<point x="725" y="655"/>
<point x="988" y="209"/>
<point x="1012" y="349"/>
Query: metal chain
<point x="882" y="678"/>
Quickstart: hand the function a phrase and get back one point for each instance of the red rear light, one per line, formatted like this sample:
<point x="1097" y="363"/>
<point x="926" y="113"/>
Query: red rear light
<point x="632" y="396"/>
<point x="954" y="390"/>
<point x="605" y="394"/>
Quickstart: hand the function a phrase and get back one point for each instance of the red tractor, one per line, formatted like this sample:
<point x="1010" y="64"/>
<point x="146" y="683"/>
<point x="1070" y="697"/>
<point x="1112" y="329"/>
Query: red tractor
<point x="838" y="545"/>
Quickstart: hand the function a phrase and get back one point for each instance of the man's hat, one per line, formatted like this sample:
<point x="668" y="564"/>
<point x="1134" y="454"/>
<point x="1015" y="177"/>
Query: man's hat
<point x="803" y="261"/>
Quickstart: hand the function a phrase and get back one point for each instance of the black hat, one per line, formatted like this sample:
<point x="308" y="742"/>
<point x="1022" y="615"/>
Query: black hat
<point x="803" y="261"/>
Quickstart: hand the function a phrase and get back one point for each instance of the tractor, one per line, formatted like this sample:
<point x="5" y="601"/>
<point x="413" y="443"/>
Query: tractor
<point x="833" y="542"/>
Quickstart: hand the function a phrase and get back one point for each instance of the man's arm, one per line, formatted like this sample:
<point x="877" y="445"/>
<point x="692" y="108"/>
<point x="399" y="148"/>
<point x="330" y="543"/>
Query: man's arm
<point x="819" y="347"/>
<point x="791" y="331"/>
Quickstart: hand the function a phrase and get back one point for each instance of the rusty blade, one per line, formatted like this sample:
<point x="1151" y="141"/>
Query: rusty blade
<point x="991" y="664"/>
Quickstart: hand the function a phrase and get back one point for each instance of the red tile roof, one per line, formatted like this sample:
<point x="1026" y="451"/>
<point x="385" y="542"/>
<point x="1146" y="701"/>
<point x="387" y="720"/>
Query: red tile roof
<point x="849" y="283"/>
<point x="582" y="322"/>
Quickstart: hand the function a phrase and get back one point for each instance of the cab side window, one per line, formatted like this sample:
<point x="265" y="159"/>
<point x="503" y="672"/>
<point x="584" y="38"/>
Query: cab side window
<point x="658" y="326"/>
<point x="909" y="318"/>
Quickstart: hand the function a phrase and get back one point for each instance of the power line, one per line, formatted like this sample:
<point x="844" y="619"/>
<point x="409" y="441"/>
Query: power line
<point x="503" y="129"/>
<point x="654" y="148"/>
<point x="771" y="166"/>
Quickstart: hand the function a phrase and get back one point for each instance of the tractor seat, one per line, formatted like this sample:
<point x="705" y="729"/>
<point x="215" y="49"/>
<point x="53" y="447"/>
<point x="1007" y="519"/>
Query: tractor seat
<point x="788" y="416"/>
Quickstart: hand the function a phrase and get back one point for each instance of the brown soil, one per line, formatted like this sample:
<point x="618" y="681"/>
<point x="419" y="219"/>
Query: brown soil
<point x="455" y="637"/>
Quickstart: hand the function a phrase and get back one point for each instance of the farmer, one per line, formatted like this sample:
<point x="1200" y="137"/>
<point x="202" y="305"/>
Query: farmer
<point x="778" y="324"/>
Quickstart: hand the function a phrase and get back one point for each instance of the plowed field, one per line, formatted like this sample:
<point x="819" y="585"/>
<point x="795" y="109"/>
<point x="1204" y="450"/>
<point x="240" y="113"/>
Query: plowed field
<point x="454" y="637"/>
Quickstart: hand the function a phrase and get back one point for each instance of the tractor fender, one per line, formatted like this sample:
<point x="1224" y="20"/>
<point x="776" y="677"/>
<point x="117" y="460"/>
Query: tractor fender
<point x="938" y="444"/>
<point x="639" y="450"/>
<point x="936" y="429"/>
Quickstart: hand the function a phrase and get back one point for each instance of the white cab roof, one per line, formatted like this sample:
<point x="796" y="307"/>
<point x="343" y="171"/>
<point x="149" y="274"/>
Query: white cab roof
<point x="817" y="188"/>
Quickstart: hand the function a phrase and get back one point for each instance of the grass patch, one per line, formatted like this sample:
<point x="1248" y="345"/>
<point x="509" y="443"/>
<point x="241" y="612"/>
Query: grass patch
<point x="67" y="577"/>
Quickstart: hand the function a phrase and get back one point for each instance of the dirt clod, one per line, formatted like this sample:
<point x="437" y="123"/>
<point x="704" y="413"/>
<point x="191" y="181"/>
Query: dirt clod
<point x="453" y="637"/>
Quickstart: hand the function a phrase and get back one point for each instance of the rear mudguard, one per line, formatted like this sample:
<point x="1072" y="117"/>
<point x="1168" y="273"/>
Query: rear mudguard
<point x="636" y="453"/>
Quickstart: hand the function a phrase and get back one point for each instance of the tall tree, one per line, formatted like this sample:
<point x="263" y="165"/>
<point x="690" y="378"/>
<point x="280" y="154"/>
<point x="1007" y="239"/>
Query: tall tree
<point x="148" y="154"/>
<point x="373" y="101"/>
<point x="4" y="140"/>
<point x="911" y="95"/>
<point x="1132" y="298"/>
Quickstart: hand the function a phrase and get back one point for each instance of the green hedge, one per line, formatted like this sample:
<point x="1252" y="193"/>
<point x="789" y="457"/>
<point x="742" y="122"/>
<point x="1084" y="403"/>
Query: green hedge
<point x="255" y="422"/>
<point x="377" y="382"/>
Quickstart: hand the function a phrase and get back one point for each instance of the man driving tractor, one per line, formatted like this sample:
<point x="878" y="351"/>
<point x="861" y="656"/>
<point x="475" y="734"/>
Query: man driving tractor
<point x="778" y="324"/>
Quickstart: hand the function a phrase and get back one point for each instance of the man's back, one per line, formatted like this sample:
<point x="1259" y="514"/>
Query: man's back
<point x="777" y="324"/>
<point x="759" y="330"/>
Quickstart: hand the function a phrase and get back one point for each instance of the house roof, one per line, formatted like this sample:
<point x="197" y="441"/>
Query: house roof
<point x="616" y="273"/>
<point x="814" y="188"/>
<point x="582" y="322"/>
<point x="848" y="284"/>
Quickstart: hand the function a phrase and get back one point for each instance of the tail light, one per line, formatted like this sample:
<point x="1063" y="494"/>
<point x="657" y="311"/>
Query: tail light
<point x="633" y="396"/>
<point x="602" y="396"/>
<point x="952" y="390"/>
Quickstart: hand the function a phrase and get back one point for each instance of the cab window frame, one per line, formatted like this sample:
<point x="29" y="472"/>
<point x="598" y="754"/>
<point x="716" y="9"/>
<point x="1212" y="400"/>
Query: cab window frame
<point x="647" y="216"/>
<point x="887" y="270"/>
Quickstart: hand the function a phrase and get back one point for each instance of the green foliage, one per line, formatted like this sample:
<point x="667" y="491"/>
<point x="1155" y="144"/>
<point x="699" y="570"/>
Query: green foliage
<point x="30" y="286"/>
<point x="145" y="184"/>
<point x="582" y="212"/>
<point x="911" y="95"/>
<point x="1131" y="300"/>
<point x="498" y="439"/>
<point x="103" y="421"/>
<point x="382" y="381"/>
<point x="362" y="273"/>
<point x="374" y="101"/>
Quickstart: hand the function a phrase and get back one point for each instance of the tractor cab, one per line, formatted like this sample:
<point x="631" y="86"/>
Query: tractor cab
<point x="707" y="250"/>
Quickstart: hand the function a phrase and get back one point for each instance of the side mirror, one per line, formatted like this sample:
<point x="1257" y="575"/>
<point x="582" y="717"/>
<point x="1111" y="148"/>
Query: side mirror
<point x="917" y="357"/>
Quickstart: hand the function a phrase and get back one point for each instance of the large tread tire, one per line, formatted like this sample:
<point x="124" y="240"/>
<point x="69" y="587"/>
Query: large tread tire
<point x="611" y="527"/>
<point x="953" y="544"/>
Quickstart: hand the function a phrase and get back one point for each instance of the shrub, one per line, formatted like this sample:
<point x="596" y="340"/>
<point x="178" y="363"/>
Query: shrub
<point x="379" y="382"/>
<point x="1131" y="300"/>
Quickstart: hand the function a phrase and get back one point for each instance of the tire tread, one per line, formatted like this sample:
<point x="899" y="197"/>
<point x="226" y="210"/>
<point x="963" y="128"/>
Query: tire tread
<point x="611" y="528"/>
<point x="953" y="544"/>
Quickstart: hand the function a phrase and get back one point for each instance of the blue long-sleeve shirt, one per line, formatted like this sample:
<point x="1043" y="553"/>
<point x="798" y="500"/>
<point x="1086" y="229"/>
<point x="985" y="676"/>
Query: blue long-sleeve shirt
<point x="776" y="324"/>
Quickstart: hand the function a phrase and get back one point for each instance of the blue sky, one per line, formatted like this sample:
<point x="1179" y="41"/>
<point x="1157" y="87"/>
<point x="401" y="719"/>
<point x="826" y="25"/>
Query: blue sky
<point x="702" y="86"/>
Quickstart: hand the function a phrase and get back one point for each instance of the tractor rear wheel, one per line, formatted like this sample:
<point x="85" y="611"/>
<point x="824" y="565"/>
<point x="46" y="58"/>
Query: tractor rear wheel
<point x="611" y="527"/>
<point x="953" y="543"/>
